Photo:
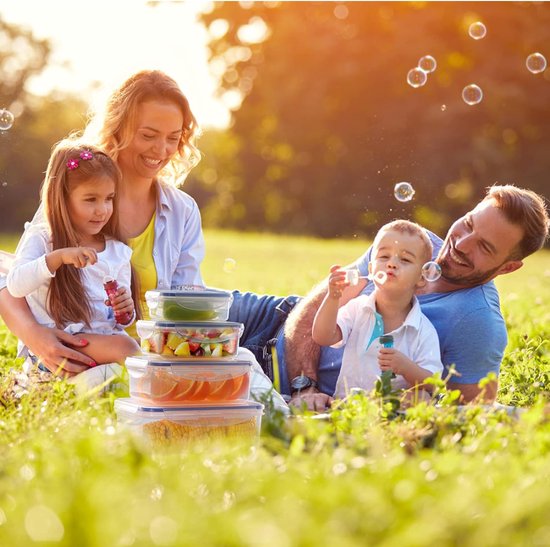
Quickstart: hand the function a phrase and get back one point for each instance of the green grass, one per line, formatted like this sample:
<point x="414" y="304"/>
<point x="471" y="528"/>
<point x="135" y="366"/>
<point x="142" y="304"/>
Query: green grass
<point x="444" y="476"/>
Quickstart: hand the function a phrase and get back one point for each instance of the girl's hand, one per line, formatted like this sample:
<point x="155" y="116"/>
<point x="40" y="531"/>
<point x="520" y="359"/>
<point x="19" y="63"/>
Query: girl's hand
<point x="79" y="257"/>
<point x="337" y="282"/>
<point x="122" y="302"/>
<point x="394" y="360"/>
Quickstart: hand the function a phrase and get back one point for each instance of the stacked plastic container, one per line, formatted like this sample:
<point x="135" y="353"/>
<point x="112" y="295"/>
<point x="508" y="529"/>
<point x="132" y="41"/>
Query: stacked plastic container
<point x="189" y="382"/>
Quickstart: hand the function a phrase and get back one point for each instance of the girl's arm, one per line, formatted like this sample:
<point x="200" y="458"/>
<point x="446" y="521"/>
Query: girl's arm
<point x="325" y="330"/>
<point x="29" y="269"/>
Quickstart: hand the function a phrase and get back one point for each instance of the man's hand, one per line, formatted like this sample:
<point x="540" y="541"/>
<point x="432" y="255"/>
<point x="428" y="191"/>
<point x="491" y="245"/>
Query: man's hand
<point x="51" y="346"/>
<point x="312" y="398"/>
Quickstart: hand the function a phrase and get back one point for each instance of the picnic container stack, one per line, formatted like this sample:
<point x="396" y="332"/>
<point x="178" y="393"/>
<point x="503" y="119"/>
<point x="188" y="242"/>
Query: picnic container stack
<point x="189" y="382"/>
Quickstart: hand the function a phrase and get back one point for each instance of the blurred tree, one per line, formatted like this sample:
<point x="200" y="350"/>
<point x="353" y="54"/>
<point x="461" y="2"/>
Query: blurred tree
<point x="328" y="123"/>
<point x="39" y="123"/>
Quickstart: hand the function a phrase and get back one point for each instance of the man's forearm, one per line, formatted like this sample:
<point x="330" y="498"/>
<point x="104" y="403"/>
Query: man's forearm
<point x="301" y="352"/>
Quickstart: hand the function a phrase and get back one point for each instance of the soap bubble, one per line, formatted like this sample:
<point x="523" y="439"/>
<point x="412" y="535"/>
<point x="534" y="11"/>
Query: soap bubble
<point x="536" y="63"/>
<point x="4" y="184"/>
<point x="427" y="63"/>
<point x="431" y="271"/>
<point x="416" y="77"/>
<point x="229" y="265"/>
<point x="472" y="94"/>
<point x="380" y="277"/>
<point x="352" y="276"/>
<point x="477" y="30"/>
<point x="403" y="191"/>
<point x="6" y="119"/>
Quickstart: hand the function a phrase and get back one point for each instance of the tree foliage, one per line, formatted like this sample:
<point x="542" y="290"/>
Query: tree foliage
<point x="39" y="123"/>
<point x="328" y="123"/>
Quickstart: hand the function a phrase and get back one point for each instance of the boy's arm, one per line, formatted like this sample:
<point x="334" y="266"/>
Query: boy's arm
<point x="326" y="331"/>
<point x="301" y="351"/>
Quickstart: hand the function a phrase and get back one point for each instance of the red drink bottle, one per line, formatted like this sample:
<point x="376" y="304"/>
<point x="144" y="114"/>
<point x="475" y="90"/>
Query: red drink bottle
<point x="111" y="287"/>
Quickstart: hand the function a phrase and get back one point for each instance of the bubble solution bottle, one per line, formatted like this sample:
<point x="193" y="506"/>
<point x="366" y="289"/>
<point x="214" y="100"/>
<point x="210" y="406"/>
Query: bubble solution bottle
<point x="111" y="286"/>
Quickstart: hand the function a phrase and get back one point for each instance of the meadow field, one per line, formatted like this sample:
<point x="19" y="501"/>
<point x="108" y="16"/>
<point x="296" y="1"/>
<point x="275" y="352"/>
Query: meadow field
<point x="445" y="475"/>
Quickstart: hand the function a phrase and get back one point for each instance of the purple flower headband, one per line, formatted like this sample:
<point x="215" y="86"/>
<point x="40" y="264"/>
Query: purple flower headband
<point x="73" y="163"/>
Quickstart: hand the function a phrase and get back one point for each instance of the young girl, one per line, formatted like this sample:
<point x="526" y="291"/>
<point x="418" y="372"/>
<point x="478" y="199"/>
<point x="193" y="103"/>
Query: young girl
<point x="60" y="264"/>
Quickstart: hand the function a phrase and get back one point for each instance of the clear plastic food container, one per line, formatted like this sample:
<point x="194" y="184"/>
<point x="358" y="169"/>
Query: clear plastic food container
<point x="176" y="425"/>
<point x="184" y="340"/>
<point x="189" y="305"/>
<point x="159" y="382"/>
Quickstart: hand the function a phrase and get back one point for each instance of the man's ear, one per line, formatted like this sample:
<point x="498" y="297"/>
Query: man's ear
<point x="370" y="267"/>
<point x="509" y="267"/>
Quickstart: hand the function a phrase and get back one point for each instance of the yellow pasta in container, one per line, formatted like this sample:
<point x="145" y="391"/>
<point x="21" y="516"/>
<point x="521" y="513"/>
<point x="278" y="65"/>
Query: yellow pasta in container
<point x="181" y="425"/>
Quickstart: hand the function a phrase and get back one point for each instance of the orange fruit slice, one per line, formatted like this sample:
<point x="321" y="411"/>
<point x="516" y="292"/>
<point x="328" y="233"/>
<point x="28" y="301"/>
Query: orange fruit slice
<point x="185" y="389"/>
<point x="163" y="386"/>
<point x="240" y="386"/>
<point x="220" y="390"/>
<point x="201" y="391"/>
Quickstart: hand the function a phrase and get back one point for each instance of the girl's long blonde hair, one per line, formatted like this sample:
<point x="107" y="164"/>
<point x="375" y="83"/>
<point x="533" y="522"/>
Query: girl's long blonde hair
<point x="116" y="126"/>
<point x="67" y="298"/>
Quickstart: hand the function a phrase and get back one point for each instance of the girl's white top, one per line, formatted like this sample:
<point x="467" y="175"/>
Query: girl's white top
<point x="30" y="277"/>
<point x="178" y="248"/>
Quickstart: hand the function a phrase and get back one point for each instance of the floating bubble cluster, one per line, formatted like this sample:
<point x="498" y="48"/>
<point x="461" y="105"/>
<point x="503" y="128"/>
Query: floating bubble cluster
<point x="6" y="119"/>
<point x="431" y="271"/>
<point x="403" y="191"/>
<point x="229" y="265"/>
<point x="352" y="276"/>
<point x="536" y="63"/>
<point x="477" y="30"/>
<point x="472" y="94"/>
<point x="379" y="277"/>
<point x="427" y="63"/>
<point x="416" y="77"/>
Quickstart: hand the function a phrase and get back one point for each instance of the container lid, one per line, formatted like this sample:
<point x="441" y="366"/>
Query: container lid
<point x="127" y="404"/>
<point x="140" y="361"/>
<point x="198" y="293"/>
<point x="189" y="324"/>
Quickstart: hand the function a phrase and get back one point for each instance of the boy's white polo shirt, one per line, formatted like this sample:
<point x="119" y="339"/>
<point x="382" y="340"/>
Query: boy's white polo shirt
<point x="416" y="338"/>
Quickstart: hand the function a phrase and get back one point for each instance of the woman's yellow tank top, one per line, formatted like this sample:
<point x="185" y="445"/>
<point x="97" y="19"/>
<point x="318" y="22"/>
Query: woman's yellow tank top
<point x="144" y="266"/>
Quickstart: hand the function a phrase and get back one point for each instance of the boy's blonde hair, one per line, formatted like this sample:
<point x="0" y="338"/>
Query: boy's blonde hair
<point x="411" y="228"/>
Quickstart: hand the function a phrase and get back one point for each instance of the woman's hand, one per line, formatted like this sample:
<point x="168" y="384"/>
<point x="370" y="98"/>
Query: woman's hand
<point x="54" y="349"/>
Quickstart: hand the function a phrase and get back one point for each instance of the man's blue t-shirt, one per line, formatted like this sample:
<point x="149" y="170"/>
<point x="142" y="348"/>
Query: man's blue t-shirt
<point x="469" y="323"/>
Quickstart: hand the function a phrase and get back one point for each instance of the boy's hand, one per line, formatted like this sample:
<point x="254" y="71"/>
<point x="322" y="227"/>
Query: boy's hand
<point x="79" y="257"/>
<point x="337" y="282"/>
<point x="394" y="360"/>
